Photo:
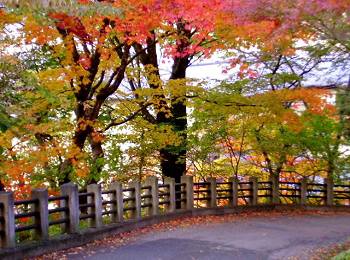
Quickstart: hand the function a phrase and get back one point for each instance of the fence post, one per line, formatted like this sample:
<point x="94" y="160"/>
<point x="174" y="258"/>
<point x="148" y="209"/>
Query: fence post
<point x="233" y="201"/>
<point x="41" y="208"/>
<point x="329" y="193"/>
<point x="96" y="199"/>
<point x="172" y="198"/>
<point x="71" y="190"/>
<point x="274" y="179"/>
<point x="136" y="194"/>
<point x="213" y="193"/>
<point x="153" y="182"/>
<point x="188" y="180"/>
<point x="8" y="236"/>
<point x="303" y="191"/>
<point x="117" y="206"/>
<point x="254" y="191"/>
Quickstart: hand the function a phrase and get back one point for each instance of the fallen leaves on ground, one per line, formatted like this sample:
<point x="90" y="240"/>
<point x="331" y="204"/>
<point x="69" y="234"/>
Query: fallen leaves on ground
<point x="326" y="253"/>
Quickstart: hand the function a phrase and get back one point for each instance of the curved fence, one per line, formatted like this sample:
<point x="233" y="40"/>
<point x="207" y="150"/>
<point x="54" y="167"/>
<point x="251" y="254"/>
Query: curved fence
<point x="42" y="217"/>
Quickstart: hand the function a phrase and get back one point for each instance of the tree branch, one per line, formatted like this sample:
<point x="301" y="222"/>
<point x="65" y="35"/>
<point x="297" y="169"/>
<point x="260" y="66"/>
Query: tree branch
<point x="128" y="118"/>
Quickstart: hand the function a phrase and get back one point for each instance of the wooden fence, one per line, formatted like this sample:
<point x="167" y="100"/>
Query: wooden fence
<point x="43" y="216"/>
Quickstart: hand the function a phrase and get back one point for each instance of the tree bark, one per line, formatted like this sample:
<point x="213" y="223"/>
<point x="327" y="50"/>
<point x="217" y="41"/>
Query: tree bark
<point x="66" y="166"/>
<point x="173" y="157"/>
<point x="98" y="158"/>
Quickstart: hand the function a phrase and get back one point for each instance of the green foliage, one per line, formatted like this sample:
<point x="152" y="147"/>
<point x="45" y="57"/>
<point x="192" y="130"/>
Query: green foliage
<point x="343" y="101"/>
<point x="64" y="115"/>
<point x="342" y="256"/>
<point x="322" y="138"/>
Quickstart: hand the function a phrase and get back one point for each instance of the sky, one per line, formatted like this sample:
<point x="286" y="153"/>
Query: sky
<point x="325" y="74"/>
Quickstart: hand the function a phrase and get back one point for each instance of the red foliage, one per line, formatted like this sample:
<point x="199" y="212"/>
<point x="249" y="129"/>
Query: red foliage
<point x="70" y="25"/>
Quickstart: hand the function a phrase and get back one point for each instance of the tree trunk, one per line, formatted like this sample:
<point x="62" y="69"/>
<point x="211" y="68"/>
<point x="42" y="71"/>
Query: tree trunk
<point x="66" y="166"/>
<point x="98" y="158"/>
<point x="173" y="157"/>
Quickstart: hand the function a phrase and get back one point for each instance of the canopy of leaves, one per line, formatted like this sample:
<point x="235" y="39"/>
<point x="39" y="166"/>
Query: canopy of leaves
<point x="83" y="98"/>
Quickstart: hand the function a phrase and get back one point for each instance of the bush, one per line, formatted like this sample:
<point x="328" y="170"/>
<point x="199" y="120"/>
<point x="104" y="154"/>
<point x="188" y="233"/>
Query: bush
<point x="342" y="256"/>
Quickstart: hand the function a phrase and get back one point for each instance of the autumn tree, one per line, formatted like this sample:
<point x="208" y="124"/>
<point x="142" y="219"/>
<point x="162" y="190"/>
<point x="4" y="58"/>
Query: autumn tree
<point x="94" y="53"/>
<point x="94" y="61"/>
<point x="100" y="86"/>
<point x="322" y="139"/>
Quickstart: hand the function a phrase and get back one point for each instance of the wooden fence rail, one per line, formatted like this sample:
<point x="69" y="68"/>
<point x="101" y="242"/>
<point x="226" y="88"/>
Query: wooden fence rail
<point x="74" y="210"/>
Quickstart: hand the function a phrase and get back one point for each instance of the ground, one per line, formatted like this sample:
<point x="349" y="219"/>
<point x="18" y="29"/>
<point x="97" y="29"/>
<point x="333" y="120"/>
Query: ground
<point x="254" y="236"/>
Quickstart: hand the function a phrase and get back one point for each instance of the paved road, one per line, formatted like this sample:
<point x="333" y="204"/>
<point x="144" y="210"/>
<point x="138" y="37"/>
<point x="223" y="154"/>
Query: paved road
<point x="253" y="238"/>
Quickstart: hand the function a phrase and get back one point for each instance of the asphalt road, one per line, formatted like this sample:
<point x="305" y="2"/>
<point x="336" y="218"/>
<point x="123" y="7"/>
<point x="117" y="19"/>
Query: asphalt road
<point x="253" y="238"/>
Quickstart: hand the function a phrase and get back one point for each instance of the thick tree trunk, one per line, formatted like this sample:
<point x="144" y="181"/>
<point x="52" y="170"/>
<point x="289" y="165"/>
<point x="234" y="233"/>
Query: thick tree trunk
<point x="98" y="158"/>
<point x="97" y="155"/>
<point x="173" y="157"/>
<point x="66" y="166"/>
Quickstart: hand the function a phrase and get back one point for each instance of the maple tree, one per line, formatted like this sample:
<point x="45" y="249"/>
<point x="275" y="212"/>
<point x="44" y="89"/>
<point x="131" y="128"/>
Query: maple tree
<point x="100" y="109"/>
<point x="309" y="33"/>
<point x="86" y="56"/>
<point x="93" y="60"/>
<point x="256" y="134"/>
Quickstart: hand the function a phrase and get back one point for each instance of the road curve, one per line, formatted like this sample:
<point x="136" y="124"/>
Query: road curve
<point x="254" y="238"/>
